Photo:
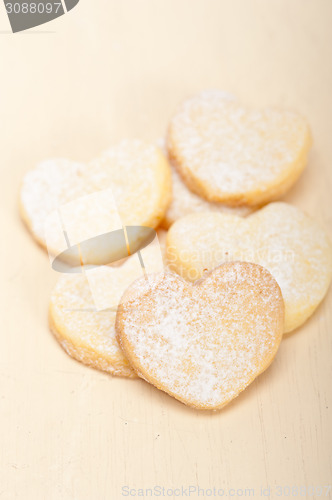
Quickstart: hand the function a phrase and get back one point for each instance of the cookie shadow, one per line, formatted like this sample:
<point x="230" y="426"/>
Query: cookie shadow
<point x="172" y="405"/>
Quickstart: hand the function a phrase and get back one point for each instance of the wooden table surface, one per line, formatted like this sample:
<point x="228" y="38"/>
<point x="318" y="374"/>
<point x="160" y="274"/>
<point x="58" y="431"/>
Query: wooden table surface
<point x="114" y="69"/>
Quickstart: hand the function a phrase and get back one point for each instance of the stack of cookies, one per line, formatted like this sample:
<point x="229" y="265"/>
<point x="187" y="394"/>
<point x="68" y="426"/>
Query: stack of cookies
<point x="198" y="309"/>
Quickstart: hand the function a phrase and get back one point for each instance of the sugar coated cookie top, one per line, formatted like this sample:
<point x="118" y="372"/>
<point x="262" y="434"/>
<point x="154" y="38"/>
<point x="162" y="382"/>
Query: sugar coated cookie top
<point x="136" y="174"/>
<point x="280" y="237"/>
<point x="203" y="343"/>
<point x="232" y="154"/>
<point x="86" y="334"/>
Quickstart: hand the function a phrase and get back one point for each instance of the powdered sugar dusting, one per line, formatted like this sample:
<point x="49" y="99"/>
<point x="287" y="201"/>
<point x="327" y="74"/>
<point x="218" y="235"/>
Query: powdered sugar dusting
<point x="86" y="334"/>
<point x="279" y="237"/>
<point x="138" y="174"/>
<point x="140" y="178"/>
<point x="233" y="150"/>
<point x="204" y="343"/>
<point x="52" y="183"/>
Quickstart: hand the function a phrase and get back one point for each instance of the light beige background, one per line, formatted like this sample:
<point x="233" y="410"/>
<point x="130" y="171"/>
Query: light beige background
<point x="117" y="68"/>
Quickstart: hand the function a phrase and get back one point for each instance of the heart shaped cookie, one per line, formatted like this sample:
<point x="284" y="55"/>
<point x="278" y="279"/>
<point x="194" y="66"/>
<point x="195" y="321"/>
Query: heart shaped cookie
<point x="83" y="308"/>
<point x="138" y="175"/>
<point x="85" y="334"/>
<point x="202" y="343"/>
<point x="280" y="237"/>
<point x="228" y="153"/>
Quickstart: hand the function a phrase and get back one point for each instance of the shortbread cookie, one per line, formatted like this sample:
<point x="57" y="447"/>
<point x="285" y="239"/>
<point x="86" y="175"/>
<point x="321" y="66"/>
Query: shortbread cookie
<point x="185" y="202"/>
<point x="84" y="303"/>
<point x="203" y="343"/>
<point x="230" y="154"/>
<point x="138" y="174"/>
<point x="85" y="334"/>
<point x="280" y="237"/>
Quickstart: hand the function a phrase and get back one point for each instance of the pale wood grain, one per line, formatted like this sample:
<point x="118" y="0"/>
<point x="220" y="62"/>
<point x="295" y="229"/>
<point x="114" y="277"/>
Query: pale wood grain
<point x="115" y="69"/>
